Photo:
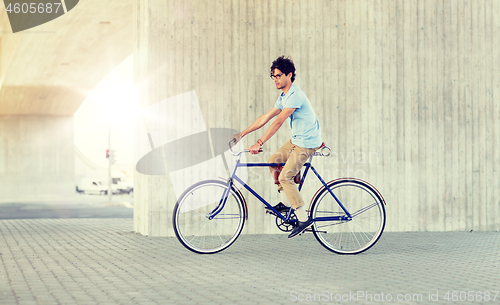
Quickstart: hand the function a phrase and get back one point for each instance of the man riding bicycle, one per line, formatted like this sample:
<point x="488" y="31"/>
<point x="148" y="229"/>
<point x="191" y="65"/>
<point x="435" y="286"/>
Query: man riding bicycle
<point x="306" y="138"/>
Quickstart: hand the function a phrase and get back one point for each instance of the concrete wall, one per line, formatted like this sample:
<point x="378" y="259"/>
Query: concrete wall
<point x="406" y="94"/>
<point x="36" y="158"/>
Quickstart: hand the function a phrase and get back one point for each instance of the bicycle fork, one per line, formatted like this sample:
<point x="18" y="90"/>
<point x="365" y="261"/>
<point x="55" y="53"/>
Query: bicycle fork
<point x="222" y="201"/>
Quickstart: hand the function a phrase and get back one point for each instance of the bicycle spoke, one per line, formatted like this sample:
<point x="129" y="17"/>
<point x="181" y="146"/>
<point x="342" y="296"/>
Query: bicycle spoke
<point x="195" y="235"/>
<point x="364" y="209"/>
<point x="222" y="241"/>
<point x="355" y="235"/>
<point x="192" y="225"/>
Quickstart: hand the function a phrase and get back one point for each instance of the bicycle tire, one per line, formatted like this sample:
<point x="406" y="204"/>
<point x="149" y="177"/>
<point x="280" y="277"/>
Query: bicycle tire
<point x="195" y="230"/>
<point x="366" y="206"/>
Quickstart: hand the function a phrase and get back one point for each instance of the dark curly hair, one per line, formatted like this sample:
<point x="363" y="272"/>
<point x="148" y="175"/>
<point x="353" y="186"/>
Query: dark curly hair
<point x="285" y="65"/>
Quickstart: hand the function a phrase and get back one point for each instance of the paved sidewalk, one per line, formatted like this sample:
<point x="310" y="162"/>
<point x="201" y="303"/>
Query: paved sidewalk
<point x="101" y="261"/>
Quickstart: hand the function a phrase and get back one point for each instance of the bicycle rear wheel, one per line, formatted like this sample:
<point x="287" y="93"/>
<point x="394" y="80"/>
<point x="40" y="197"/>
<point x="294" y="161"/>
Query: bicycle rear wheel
<point x="192" y="224"/>
<point x="367" y="210"/>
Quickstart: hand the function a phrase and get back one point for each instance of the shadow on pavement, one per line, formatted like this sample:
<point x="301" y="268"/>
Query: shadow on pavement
<point x="82" y="206"/>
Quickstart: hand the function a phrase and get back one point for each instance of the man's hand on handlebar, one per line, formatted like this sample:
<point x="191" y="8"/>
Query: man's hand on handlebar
<point x="255" y="149"/>
<point x="236" y="137"/>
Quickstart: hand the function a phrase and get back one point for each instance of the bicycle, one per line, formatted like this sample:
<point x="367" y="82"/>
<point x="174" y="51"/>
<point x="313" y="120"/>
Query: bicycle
<point x="348" y="213"/>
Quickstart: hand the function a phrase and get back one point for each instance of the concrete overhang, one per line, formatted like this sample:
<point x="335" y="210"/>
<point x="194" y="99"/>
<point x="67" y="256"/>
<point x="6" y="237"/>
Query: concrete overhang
<point x="50" y="69"/>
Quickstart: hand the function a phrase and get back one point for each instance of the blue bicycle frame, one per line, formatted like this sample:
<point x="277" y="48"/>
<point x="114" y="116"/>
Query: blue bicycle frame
<point x="288" y="219"/>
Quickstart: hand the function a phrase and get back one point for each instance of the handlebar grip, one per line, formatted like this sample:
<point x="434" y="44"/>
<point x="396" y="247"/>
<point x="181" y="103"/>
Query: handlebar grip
<point x="233" y="141"/>
<point x="238" y="153"/>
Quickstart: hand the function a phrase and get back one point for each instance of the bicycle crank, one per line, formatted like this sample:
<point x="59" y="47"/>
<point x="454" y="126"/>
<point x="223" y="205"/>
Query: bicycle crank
<point x="285" y="226"/>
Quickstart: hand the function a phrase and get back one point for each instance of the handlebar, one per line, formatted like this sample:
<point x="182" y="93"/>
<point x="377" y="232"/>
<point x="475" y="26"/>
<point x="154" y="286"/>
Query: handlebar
<point x="324" y="151"/>
<point x="237" y="153"/>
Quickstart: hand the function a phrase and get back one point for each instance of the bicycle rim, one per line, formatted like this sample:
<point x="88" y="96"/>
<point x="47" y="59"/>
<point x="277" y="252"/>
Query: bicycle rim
<point x="192" y="225"/>
<point x="350" y="236"/>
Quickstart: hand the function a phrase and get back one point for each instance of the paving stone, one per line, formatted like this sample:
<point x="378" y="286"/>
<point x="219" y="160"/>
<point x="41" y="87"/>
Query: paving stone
<point x="99" y="261"/>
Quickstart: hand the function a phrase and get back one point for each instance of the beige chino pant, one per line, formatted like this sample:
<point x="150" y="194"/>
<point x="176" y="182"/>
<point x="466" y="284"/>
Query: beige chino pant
<point x="295" y="157"/>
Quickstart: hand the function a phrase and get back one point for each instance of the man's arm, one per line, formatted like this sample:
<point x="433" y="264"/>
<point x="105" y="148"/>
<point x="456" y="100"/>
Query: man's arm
<point x="284" y="114"/>
<point x="259" y="122"/>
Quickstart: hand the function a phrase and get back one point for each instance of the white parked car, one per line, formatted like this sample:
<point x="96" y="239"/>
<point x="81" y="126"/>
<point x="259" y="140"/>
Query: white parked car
<point x="124" y="185"/>
<point x="94" y="186"/>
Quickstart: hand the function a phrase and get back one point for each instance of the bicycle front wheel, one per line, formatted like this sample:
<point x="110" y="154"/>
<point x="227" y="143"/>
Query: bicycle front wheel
<point x="192" y="221"/>
<point x="344" y="236"/>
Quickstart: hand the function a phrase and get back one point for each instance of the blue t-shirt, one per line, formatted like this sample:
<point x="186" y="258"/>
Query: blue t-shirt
<point x="306" y="132"/>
